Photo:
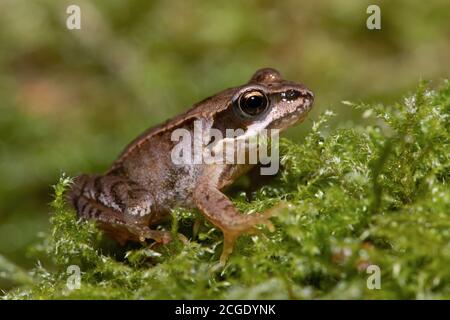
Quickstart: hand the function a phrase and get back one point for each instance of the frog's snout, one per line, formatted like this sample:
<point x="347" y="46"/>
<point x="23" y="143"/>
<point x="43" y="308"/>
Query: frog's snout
<point x="307" y="97"/>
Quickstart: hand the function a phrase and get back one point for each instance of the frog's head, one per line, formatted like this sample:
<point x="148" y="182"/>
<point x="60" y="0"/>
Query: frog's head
<point x="268" y="101"/>
<point x="265" y="103"/>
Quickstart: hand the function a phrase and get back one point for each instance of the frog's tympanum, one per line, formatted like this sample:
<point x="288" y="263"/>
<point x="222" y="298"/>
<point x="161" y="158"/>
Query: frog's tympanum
<point x="144" y="183"/>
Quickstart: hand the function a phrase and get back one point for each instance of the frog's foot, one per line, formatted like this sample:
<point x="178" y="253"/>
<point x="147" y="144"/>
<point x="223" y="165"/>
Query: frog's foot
<point x="231" y="234"/>
<point x="182" y="238"/>
<point x="196" y="228"/>
<point x="143" y="233"/>
<point x="162" y="237"/>
<point x="221" y="212"/>
<point x="159" y="236"/>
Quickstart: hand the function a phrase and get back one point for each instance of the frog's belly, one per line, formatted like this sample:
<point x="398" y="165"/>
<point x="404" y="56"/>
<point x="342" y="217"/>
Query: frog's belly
<point x="177" y="187"/>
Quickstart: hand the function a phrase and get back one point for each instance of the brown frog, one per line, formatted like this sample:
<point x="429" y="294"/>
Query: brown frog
<point x="144" y="183"/>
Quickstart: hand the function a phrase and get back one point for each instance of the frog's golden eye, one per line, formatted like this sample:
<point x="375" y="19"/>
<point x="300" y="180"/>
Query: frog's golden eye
<point x="253" y="103"/>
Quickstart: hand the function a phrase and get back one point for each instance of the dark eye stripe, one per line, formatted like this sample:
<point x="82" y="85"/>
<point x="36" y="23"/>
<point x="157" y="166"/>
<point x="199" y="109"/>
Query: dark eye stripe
<point x="290" y="95"/>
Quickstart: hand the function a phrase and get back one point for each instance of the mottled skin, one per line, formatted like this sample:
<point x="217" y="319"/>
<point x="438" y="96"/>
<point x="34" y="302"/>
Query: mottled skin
<point x="144" y="184"/>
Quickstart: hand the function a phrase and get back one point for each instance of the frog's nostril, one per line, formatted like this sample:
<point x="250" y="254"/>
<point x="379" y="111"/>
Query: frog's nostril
<point x="292" y="94"/>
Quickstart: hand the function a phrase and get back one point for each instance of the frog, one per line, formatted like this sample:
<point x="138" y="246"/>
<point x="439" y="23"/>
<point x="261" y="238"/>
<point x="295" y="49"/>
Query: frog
<point x="143" y="185"/>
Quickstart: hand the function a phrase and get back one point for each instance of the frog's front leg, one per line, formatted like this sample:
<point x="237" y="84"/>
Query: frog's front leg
<point x="221" y="212"/>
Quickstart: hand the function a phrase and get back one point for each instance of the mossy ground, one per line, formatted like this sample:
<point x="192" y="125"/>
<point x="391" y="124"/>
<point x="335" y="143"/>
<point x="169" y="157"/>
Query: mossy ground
<point x="352" y="197"/>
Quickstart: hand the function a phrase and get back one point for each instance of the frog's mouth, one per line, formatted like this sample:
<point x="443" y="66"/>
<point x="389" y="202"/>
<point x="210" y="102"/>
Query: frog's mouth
<point x="294" y="118"/>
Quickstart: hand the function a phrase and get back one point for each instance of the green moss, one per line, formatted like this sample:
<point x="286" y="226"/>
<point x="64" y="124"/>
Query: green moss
<point x="350" y="197"/>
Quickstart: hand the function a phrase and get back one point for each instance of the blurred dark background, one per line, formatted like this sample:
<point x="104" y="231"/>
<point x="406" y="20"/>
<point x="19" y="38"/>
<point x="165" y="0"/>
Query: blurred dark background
<point x="70" y="100"/>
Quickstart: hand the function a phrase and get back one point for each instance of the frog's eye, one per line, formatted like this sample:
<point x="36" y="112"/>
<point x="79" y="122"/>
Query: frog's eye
<point x="253" y="103"/>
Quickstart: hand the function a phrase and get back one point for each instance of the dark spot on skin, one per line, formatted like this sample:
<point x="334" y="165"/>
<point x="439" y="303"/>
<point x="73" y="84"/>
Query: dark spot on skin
<point x="91" y="211"/>
<point x="83" y="186"/>
<point x="83" y="207"/>
<point x="117" y="171"/>
<point x="136" y="193"/>
<point x="171" y="182"/>
<point x="227" y="119"/>
<point x="97" y="213"/>
<point x="75" y="203"/>
<point x="228" y="206"/>
<point x="118" y="198"/>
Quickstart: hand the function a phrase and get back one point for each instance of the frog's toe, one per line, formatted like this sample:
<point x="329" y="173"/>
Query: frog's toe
<point x="229" y="238"/>
<point x="163" y="237"/>
<point x="166" y="237"/>
<point x="230" y="235"/>
<point x="259" y="219"/>
<point x="182" y="238"/>
<point x="269" y="225"/>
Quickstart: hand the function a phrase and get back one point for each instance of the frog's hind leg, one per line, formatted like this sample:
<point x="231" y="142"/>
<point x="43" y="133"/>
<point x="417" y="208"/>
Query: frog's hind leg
<point x="121" y="210"/>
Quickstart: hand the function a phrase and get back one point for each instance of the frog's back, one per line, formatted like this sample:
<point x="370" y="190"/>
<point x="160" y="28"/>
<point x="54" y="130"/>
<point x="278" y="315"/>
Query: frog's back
<point x="152" y="136"/>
